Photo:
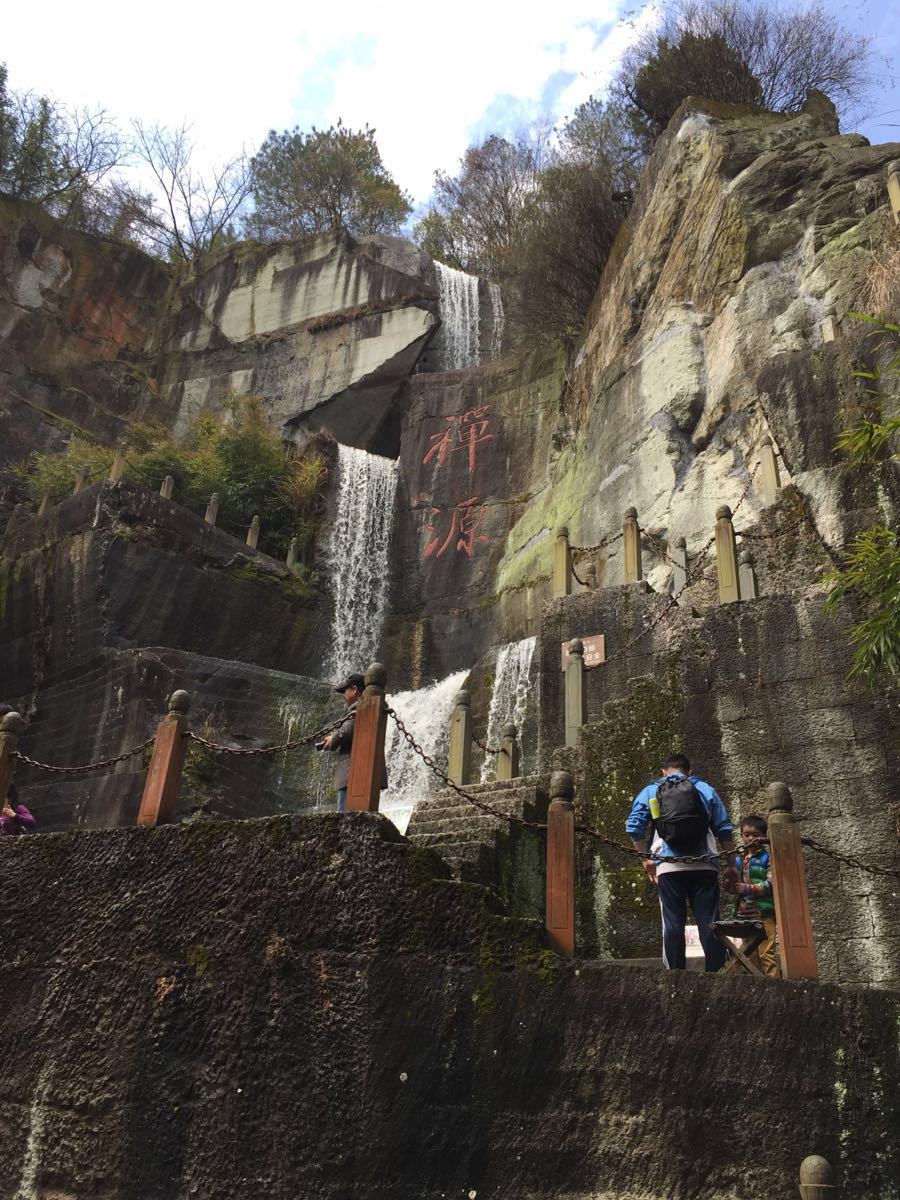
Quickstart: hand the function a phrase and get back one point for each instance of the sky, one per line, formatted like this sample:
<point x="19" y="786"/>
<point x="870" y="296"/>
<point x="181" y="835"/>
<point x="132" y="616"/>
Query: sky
<point x="430" y="78"/>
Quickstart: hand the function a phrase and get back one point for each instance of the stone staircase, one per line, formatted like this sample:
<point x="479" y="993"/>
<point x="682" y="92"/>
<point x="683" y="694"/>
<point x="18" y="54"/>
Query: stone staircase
<point x="479" y="848"/>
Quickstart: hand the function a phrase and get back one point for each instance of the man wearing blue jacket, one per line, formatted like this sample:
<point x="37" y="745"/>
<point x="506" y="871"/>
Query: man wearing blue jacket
<point x="690" y="814"/>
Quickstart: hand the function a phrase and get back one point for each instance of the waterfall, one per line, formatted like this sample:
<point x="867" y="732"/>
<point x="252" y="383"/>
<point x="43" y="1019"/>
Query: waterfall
<point x="426" y="714"/>
<point x="356" y="559"/>
<point x="458" y="300"/>
<point x="510" y="696"/>
<point x="499" y="320"/>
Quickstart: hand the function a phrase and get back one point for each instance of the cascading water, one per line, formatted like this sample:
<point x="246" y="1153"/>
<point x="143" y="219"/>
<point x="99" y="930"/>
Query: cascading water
<point x="458" y="300"/>
<point x="511" y="695"/>
<point x="499" y="320"/>
<point x="356" y="559"/>
<point x="426" y="713"/>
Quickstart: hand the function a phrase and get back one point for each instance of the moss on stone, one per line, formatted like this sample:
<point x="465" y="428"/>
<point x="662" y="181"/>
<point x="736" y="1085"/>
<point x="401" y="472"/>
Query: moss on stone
<point x="197" y="957"/>
<point x="292" y="589"/>
<point x="617" y="913"/>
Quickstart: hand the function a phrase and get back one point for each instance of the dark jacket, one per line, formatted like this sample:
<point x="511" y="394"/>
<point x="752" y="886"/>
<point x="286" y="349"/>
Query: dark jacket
<point x="22" y="822"/>
<point x="341" y="741"/>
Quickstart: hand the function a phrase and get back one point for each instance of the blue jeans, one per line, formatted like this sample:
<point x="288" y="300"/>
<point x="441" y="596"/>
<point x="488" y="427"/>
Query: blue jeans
<point x="342" y="799"/>
<point x="702" y="889"/>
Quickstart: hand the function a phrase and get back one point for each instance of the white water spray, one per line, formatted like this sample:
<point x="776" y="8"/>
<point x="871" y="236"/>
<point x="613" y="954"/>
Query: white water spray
<point x="458" y="301"/>
<point x="499" y="320"/>
<point x="356" y="559"/>
<point x="426" y="713"/>
<point x="510" y="696"/>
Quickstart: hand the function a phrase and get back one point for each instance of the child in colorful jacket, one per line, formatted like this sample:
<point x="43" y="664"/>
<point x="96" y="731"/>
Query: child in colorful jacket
<point x="754" y="890"/>
<point x="14" y="817"/>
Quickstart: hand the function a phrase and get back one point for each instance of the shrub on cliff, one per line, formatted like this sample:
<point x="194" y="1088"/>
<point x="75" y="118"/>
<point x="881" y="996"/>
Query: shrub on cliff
<point x="236" y="455"/>
<point x="869" y="574"/>
<point x="326" y="181"/>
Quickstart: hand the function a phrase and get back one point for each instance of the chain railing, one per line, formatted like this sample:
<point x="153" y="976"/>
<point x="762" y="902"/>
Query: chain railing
<point x="279" y="748"/>
<point x="586" y="551"/>
<point x="492" y="750"/>
<point x="87" y="768"/>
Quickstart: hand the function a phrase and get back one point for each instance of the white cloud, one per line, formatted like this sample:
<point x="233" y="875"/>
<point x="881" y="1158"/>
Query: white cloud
<point x="423" y="75"/>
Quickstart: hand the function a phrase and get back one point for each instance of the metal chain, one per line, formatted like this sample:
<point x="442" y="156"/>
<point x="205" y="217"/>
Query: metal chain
<point x="765" y="537"/>
<point x="485" y="747"/>
<point x="429" y="762"/>
<point x="246" y="752"/>
<point x="582" y="551"/>
<point x="577" y="577"/>
<point x="849" y="861"/>
<point x="89" y="767"/>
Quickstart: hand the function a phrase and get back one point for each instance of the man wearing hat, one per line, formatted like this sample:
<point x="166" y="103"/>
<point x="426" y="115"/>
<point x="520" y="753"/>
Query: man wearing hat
<point x="341" y="740"/>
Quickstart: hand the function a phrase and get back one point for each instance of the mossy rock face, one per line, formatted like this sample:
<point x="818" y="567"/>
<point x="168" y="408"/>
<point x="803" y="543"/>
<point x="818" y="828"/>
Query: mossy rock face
<point x="618" y="915"/>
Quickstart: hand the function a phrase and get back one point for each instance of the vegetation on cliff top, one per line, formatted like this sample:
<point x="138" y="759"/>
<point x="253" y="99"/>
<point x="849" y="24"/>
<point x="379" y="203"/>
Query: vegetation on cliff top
<point x="235" y="455"/>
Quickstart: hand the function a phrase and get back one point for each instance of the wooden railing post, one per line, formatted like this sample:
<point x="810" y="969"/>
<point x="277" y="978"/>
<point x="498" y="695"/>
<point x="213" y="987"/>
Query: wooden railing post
<point x="795" y="933"/>
<point x="560" y="911"/>
<point x="817" y="1179"/>
<point x="508" y="758"/>
<point x="769" y="477"/>
<point x="164" y="773"/>
<point x="367" y="750"/>
<point x="589" y="572"/>
<point x="212" y="509"/>
<point x="831" y="328"/>
<point x="167" y="487"/>
<point x="726" y="557"/>
<point x="44" y="505"/>
<point x="11" y="729"/>
<point x="893" y="187"/>
<point x="562" y="564"/>
<point x="747" y="574"/>
<point x="82" y="481"/>
<point x="253" y="538"/>
<point x="631" y="530"/>
<point x="119" y="464"/>
<point x="459" y="761"/>
<point x="291" y="561"/>
<point x="576" y="693"/>
<point x="679" y="571"/>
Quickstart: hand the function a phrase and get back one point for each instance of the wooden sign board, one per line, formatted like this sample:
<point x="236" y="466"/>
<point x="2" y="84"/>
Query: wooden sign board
<point x="594" y="650"/>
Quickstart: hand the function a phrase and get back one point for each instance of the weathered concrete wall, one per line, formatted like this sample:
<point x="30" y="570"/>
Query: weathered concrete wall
<point x="304" y="1007"/>
<point x="118" y="597"/>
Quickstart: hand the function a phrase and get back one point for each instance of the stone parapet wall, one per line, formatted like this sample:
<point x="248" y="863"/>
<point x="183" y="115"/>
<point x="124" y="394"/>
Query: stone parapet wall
<point x="308" y="1007"/>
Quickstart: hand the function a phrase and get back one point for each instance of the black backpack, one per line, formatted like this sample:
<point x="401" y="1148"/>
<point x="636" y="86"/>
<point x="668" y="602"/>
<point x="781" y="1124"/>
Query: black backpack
<point x="683" y="821"/>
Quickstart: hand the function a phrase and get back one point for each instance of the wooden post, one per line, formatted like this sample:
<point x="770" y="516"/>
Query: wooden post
<point x="164" y="773"/>
<point x="747" y="573"/>
<point x="11" y="729"/>
<point x="82" y="481"/>
<point x="769" y="478"/>
<point x="562" y="564"/>
<point x="831" y="329"/>
<point x="253" y="538"/>
<point x="44" y="506"/>
<point x="817" y="1179"/>
<point x="117" y="470"/>
<point x="893" y="187"/>
<point x="367" y="751"/>
<point x="560" y="912"/>
<point x="795" y="934"/>
<point x="679" y="573"/>
<point x="212" y="509"/>
<point x="590" y="577"/>
<point x="459" y="766"/>
<point x="291" y="562"/>
<point x="726" y="557"/>
<point x="508" y="758"/>
<point x="576" y="693"/>
<point x="167" y="487"/>
<point x="634" y="571"/>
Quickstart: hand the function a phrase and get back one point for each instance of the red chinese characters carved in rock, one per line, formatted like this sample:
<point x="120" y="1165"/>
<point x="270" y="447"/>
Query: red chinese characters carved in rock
<point x="464" y="432"/>
<point x="465" y="521"/>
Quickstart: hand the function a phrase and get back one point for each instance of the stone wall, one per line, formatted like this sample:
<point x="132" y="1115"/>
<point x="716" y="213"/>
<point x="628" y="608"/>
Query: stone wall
<point x="117" y="597"/>
<point x="753" y="692"/>
<point x="307" y="1007"/>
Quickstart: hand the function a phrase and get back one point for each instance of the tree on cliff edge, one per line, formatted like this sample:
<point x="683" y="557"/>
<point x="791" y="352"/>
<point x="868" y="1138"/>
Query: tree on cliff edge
<point x="326" y="181"/>
<point x="741" y="51"/>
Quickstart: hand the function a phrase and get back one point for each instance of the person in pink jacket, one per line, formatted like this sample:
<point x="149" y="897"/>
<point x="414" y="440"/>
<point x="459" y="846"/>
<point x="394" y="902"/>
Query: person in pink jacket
<point x="15" y="818"/>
